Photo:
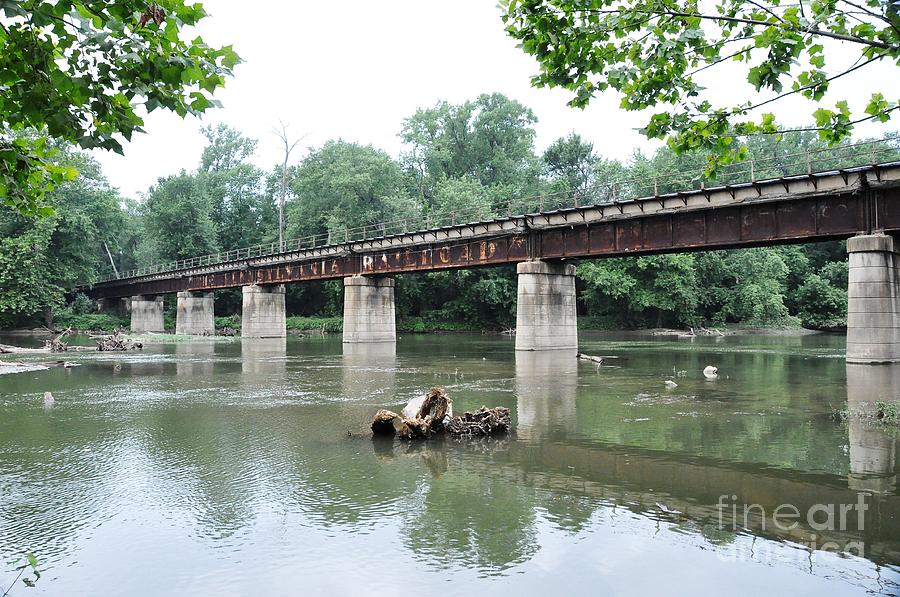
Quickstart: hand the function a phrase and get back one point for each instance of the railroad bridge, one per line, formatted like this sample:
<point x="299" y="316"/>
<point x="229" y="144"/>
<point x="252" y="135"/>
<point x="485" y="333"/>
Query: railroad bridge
<point x="859" y="203"/>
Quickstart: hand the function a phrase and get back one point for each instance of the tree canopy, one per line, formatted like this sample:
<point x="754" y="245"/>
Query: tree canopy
<point x="227" y="202"/>
<point x="83" y="71"/>
<point x="655" y="54"/>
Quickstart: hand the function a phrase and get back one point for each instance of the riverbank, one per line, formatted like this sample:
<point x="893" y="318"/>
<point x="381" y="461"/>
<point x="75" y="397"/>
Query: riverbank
<point x="301" y="326"/>
<point x="100" y="323"/>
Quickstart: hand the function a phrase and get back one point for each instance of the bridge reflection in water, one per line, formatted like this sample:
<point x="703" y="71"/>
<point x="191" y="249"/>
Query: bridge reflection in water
<point x="873" y="453"/>
<point x="263" y="357"/>
<point x="546" y="389"/>
<point x="369" y="370"/>
<point x="194" y="359"/>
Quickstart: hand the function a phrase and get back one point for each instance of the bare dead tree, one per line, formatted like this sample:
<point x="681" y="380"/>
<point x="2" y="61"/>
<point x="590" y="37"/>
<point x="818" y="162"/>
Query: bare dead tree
<point x="282" y="133"/>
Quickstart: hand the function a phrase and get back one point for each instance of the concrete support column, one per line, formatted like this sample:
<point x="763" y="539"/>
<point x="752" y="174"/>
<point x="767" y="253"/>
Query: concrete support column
<point x="545" y="311"/>
<point x="195" y="314"/>
<point x="873" y="307"/>
<point x="147" y="314"/>
<point x="369" y="309"/>
<point x="263" y="314"/>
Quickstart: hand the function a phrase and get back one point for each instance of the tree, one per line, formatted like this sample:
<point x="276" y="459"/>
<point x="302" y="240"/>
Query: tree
<point x="822" y="297"/>
<point x="653" y="53"/>
<point x="241" y="212"/>
<point x="176" y="219"/>
<point x="79" y="71"/>
<point x="25" y="267"/>
<point x="490" y="139"/>
<point x="343" y="186"/>
<point x="289" y="146"/>
<point x="41" y="259"/>
<point x="571" y="161"/>
<point x="651" y="290"/>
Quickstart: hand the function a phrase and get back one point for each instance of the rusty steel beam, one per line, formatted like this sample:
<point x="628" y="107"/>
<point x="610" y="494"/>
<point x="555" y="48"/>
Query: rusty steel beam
<point x="788" y="220"/>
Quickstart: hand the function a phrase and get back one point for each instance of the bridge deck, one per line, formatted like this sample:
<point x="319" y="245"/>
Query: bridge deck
<point x="820" y="206"/>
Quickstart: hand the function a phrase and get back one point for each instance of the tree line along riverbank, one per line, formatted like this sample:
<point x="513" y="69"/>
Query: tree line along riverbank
<point x="226" y="202"/>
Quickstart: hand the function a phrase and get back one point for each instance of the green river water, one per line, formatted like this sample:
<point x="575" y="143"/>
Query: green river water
<point x="247" y="468"/>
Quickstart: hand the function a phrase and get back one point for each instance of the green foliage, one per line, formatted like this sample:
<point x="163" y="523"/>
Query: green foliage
<point x="25" y="269"/>
<point x="28" y="565"/>
<point x="333" y="325"/>
<point x="241" y="213"/>
<point x="228" y="321"/>
<point x="571" y="161"/>
<point x="653" y="53"/>
<point x="177" y="220"/>
<point x="654" y="290"/>
<point x="228" y="203"/>
<point x="427" y="325"/>
<point x="345" y="185"/>
<point x="759" y="280"/>
<point x="82" y="305"/>
<point x="94" y="322"/>
<point x="490" y="139"/>
<point x="822" y="297"/>
<point x="78" y="71"/>
<point x="413" y="325"/>
<point x="888" y="412"/>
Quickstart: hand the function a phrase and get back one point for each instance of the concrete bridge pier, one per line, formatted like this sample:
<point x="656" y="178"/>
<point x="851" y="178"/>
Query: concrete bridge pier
<point x="545" y="312"/>
<point x="195" y="314"/>
<point x="873" y="300"/>
<point x="263" y="314"/>
<point x="369" y="309"/>
<point x="147" y="314"/>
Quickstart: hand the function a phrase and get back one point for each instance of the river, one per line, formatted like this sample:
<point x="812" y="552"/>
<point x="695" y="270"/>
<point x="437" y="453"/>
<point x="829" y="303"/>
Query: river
<point x="247" y="468"/>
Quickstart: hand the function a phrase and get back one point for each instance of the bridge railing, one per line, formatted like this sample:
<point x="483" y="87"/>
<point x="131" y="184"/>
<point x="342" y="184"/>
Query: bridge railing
<point x="615" y="189"/>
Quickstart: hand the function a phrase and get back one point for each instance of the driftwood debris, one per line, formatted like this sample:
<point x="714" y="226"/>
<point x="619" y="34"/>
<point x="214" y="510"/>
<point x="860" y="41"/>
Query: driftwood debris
<point x="587" y="357"/>
<point x="434" y="414"/>
<point x="116" y="342"/>
<point x="483" y="422"/>
<point x="56" y="344"/>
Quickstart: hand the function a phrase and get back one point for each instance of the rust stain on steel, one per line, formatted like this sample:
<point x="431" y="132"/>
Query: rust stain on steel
<point x="790" y="220"/>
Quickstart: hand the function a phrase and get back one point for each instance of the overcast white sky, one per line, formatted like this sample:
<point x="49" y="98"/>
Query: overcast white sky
<point x="355" y="69"/>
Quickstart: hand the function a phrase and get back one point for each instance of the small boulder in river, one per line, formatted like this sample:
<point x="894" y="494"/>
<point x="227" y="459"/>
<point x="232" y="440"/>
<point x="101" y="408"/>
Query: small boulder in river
<point x="48" y="400"/>
<point x="670" y="385"/>
<point x="711" y="372"/>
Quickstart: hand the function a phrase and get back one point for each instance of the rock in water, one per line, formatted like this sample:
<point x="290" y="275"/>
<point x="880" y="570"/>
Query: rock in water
<point x="48" y="400"/>
<point x="670" y="385"/>
<point x="711" y="372"/>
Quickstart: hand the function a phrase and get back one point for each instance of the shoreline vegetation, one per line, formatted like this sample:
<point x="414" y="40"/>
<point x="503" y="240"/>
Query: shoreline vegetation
<point x="324" y="325"/>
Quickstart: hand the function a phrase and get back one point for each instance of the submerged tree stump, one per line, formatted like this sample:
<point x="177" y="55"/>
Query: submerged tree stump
<point x="385" y="422"/>
<point x="434" y="414"/>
